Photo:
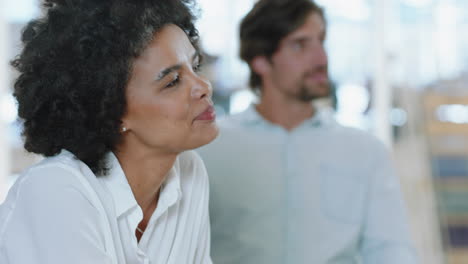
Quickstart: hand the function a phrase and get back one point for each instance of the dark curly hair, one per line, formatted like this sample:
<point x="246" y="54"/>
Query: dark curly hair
<point x="74" y="68"/>
<point x="263" y="28"/>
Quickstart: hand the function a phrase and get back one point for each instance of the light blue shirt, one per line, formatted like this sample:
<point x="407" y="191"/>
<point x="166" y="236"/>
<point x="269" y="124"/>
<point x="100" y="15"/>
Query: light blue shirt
<point x="321" y="193"/>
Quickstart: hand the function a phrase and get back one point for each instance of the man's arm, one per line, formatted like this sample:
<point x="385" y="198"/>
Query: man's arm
<point x="385" y="235"/>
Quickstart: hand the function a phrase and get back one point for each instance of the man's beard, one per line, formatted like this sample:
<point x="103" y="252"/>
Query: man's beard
<point x="308" y="94"/>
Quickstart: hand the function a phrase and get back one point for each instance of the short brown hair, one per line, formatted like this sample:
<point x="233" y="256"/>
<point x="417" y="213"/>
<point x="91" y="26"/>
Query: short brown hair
<point x="269" y="21"/>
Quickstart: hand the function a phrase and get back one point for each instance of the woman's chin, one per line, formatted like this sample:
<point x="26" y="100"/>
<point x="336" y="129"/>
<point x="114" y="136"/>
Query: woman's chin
<point x="207" y="137"/>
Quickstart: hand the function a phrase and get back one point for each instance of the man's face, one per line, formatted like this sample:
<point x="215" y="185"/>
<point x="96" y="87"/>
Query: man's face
<point x="299" y="67"/>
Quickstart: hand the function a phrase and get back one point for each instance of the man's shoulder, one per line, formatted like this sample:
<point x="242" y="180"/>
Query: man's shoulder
<point x="354" y="136"/>
<point x="232" y="121"/>
<point x="347" y="131"/>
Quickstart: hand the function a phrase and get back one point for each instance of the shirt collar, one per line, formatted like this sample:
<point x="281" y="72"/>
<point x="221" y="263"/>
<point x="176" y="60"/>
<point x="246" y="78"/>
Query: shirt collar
<point x="117" y="184"/>
<point x="171" y="191"/>
<point x="321" y="117"/>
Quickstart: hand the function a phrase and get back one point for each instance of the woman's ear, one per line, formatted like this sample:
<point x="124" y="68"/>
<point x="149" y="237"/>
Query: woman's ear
<point x="260" y="65"/>
<point x="123" y="126"/>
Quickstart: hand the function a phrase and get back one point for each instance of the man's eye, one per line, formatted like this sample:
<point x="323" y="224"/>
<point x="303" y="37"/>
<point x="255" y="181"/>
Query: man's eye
<point x="197" y="67"/>
<point x="174" y="82"/>
<point x="298" y="46"/>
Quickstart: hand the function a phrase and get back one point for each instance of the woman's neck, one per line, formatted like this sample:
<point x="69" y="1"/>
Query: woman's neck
<point x="145" y="173"/>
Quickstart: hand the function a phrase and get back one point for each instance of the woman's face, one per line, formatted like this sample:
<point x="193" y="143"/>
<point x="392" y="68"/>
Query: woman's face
<point x="169" y="105"/>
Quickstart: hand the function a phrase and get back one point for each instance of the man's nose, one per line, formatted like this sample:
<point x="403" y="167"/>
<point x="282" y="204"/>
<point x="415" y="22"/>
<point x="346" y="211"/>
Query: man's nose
<point x="319" y="56"/>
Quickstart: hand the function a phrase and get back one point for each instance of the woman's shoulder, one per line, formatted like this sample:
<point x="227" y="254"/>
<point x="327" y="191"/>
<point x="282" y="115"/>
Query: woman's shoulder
<point x="56" y="170"/>
<point x="191" y="167"/>
<point x="63" y="163"/>
<point x="60" y="174"/>
<point x="194" y="184"/>
<point x="190" y="158"/>
<point x="52" y="185"/>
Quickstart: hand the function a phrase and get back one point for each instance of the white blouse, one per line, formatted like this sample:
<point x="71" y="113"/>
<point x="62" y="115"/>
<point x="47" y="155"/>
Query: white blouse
<point x="59" y="212"/>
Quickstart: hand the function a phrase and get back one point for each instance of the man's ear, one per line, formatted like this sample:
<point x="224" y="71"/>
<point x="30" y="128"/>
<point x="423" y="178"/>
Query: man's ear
<point x="260" y="65"/>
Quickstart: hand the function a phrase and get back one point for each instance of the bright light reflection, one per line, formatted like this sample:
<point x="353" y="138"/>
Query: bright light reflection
<point x="20" y="11"/>
<point x="353" y="101"/>
<point x="353" y="98"/>
<point x="454" y="113"/>
<point x="241" y="100"/>
<point x="8" y="111"/>
<point x="356" y="10"/>
<point x="398" y="117"/>
<point x="446" y="38"/>
<point x="417" y="3"/>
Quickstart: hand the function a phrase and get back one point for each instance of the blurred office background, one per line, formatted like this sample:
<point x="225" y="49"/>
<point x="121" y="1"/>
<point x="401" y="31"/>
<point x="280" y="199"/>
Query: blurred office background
<point x="399" y="69"/>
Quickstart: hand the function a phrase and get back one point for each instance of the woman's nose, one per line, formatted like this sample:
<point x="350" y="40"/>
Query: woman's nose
<point x="201" y="88"/>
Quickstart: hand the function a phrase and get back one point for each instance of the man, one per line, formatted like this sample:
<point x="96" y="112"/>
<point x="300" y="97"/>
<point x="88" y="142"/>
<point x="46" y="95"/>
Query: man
<point x="288" y="184"/>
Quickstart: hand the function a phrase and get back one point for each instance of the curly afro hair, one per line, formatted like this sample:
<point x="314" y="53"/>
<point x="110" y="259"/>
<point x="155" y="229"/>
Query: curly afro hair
<point x="75" y="65"/>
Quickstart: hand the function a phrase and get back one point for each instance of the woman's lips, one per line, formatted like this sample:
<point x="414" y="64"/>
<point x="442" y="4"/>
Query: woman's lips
<point x="207" y="115"/>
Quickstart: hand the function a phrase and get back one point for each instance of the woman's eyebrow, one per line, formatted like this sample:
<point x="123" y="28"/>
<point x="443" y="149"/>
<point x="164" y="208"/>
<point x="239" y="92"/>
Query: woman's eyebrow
<point x="167" y="71"/>
<point x="176" y="67"/>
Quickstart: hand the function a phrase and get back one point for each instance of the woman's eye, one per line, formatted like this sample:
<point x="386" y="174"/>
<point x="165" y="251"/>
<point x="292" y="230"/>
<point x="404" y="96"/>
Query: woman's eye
<point x="174" y="82"/>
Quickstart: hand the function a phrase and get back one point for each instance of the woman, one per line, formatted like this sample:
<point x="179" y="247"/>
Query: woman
<point x="109" y="93"/>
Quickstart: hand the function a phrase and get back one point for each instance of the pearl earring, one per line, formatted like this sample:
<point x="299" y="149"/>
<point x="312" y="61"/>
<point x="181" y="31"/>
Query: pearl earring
<point x="124" y="129"/>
